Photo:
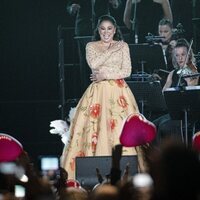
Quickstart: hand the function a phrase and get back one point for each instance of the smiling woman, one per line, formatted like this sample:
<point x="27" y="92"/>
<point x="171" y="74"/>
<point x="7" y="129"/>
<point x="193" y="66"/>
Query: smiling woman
<point x="106" y="32"/>
<point x="99" y="116"/>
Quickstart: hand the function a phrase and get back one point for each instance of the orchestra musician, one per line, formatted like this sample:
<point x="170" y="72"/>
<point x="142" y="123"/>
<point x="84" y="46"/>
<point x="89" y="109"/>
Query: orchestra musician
<point x="184" y="64"/>
<point x="135" y="17"/>
<point x="167" y="39"/>
<point x="165" y="30"/>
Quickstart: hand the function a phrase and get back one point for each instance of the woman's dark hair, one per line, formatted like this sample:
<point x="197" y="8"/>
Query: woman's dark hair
<point x="117" y="35"/>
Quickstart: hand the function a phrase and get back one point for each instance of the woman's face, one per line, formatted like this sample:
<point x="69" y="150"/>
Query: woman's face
<point x="180" y="55"/>
<point x="166" y="32"/>
<point x="106" y="31"/>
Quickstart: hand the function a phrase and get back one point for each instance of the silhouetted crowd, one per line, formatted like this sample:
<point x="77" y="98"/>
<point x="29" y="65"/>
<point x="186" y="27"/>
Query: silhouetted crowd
<point x="173" y="173"/>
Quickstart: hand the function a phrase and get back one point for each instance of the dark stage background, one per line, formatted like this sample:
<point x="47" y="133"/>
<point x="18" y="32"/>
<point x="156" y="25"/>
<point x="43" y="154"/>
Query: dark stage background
<point x="29" y="74"/>
<point x="29" y="83"/>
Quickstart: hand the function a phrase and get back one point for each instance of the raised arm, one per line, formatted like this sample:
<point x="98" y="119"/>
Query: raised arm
<point x="168" y="81"/>
<point x="127" y="14"/>
<point x="167" y="12"/>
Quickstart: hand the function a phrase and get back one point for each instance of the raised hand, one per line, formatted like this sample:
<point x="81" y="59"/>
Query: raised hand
<point x="116" y="156"/>
<point x="115" y="46"/>
<point x="96" y="76"/>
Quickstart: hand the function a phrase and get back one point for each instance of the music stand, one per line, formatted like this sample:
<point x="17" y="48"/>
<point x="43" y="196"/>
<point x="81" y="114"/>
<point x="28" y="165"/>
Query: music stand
<point x="147" y="57"/>
<point x="183" y="104"/>
<point x="148" y="93"/>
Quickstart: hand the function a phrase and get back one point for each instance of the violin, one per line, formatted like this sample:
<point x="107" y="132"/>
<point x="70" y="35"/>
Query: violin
<point x="188" y="69"/>
<point x="192" y="66"/>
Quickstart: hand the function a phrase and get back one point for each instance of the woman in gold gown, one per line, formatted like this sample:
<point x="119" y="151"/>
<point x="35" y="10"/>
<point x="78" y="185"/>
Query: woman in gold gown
<point x="99" y="116"/>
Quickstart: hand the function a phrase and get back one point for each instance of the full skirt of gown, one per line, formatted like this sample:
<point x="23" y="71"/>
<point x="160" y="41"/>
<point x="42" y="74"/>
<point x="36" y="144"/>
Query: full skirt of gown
<point x="97" y="123"/>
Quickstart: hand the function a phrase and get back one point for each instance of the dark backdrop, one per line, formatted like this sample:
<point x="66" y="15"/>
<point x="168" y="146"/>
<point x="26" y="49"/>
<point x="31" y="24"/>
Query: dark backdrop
<point x="29" y="83"/>
<point x="29" y="73"/>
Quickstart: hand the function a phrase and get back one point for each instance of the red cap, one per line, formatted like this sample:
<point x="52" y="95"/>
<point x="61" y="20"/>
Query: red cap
<point x="73" y="183"/>
<point x="196" y="141"/>
<point x="137" y="130"/>
<point x="10" y="148"/>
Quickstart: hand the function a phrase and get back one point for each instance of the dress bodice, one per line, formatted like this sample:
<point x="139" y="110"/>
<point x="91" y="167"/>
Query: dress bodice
<point x="114" y="65"/>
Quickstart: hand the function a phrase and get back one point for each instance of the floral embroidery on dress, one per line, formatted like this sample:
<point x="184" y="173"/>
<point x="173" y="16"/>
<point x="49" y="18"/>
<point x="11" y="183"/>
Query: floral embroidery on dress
<point x="120" y="83"/>
<point x="95" y="110"/>
<point x="94" y="141"/>
<point x="122" y="102"/>
<point x="112" y="124"/>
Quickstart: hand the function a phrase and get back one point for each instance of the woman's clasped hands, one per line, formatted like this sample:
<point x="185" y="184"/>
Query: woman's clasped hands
<point x="97" y="76"/>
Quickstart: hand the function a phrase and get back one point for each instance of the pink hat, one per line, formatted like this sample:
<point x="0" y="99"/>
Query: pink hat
<point x="137" y="130"/>
<point x="10" y="148"/>
<point x="196" y="141"/>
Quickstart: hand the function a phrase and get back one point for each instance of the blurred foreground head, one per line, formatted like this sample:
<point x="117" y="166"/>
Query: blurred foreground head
<point x="105" y="192"/>
<point x="72" y="193"/>
<point x="175" y="170"/>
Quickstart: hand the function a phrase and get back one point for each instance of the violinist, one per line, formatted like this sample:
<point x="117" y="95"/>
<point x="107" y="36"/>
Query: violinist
<point x="184" y="64"/>
<point x="169" y="36"/>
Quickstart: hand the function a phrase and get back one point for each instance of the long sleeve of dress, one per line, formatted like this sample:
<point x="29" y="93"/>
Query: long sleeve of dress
<point x="94" y="59"/>
<point x="122" y="71"/>
<point x="113" y="65"/>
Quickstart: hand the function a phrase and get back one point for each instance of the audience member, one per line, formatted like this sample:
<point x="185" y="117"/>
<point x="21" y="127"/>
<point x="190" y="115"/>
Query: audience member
<point x="18" y="169"/>
<point x="175" y="172"/>
<point x="105" y="192"/>
<point x="71" y="193"/>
